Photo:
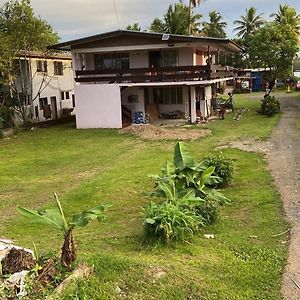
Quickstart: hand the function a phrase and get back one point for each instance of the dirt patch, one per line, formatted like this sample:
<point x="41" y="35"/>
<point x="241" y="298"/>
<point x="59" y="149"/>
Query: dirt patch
<point x="249" y="145"/>
<point x="17" y="260"/>
<point x="151" y="132"/>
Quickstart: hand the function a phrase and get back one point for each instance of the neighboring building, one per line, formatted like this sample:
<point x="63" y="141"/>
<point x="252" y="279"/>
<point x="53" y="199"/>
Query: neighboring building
<point x="49" y="80"/>
<point x="121" y="73"/>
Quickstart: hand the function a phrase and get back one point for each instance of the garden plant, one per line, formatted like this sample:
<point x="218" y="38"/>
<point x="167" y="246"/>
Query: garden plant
<point x="189" y="199"/>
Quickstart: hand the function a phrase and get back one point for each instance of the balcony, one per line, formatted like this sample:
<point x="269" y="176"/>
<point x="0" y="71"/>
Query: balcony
<point x="160" y="74"/>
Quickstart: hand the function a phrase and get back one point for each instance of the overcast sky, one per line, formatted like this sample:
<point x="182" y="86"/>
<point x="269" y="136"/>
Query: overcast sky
<point x="78" y="18"/>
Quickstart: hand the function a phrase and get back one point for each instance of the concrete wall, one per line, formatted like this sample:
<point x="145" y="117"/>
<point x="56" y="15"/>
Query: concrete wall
<point x="205" y="106"/>
<point x="185" y="56"/>
<point x="139" y="59"/>
<point x="134" y="107"/>
<point x="98" y="106"/>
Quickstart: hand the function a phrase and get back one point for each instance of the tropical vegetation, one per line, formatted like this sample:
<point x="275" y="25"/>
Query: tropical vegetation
<point x="189" y="201"/>
<point x="215" y="27"/>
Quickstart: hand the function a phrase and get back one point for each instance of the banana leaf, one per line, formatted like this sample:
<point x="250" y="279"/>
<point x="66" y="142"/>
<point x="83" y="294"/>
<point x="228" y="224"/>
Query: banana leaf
<point x="182" y="157"/>
<point x="48" y="217"/>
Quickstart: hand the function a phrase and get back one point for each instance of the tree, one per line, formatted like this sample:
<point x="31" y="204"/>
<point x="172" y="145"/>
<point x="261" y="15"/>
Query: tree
<point x="176" y="21"/>
<point x="274" y="46"/>
<point x="192" y="4"/>
<point x="215" y="27"/>
<point x="134" y="27"/>
<point x="287" y="15"/>
<point x="24" y="32"/>
<point x="248" y="24"/>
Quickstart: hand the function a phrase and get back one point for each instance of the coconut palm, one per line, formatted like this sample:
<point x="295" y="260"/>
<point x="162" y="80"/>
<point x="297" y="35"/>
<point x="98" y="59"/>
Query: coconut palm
<point x="192" y="4"/>
<point x="215" y="27"/>
<point x="287" y="15"/>
<point x="176" y="21"/>
<point x="249" y="23"/>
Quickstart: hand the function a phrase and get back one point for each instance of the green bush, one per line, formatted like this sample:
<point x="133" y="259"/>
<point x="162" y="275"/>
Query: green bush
<point x="270" y="106"/>
<point x="168" y="221"/>
<point x="189" y="199"/>
<point x="223" y="167"/>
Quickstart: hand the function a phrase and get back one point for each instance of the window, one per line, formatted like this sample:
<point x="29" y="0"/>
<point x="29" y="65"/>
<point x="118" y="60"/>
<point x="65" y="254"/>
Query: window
<point x="67" y="95"/>
<point x="112" y="61"/>
<point x="169" y="58"/>
<point x="41" y="66"/>
<point x="43" y="102"/>
<point x="168" y="95"/>
<point x="58" y="68"/>
<point x="62" y="95"/>
<point x="73" y="100"/>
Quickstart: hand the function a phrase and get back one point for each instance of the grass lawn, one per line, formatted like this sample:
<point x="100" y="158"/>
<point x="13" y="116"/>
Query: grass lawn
<point x="90" y="167"/>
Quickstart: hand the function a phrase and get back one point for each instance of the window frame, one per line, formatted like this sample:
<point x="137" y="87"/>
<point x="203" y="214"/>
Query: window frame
<point x="58" y="68"/>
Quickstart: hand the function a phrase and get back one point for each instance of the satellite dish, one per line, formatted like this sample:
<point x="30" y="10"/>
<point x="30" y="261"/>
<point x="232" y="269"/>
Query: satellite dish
<point x="165" y="37"/>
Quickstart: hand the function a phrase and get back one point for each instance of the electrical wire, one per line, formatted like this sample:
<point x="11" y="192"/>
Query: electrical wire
<point x="116" y="12"/>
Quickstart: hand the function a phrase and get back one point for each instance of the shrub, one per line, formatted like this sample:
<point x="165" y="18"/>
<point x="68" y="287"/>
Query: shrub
<point x="190" y="202"/>
<point x="223" y="167"/>
<point x="168" y="221"/>
<point x="270" y="106"/>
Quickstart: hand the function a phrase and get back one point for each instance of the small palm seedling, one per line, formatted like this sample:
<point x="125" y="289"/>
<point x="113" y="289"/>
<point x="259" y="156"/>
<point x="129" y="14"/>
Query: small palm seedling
<point x="56" y="218"/>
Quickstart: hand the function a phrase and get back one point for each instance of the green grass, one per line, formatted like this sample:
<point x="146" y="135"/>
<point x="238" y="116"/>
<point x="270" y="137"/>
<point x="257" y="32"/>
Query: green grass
<point x="87" y="167"/>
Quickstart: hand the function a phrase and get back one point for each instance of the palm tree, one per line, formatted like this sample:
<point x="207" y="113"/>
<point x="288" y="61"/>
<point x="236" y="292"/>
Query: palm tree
<point x="214" y="28"/>
<point x="176" y="21"/>
<point x="249" y="23"/>
<point x="287" y="15"/>
<point x="192" y="4"/>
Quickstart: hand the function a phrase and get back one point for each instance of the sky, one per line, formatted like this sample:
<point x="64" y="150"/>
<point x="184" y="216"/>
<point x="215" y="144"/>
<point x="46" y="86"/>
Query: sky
<point x="74" y="19"/>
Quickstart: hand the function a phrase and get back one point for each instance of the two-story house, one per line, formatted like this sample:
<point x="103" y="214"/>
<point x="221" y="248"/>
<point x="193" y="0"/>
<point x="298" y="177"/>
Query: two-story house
<point x="123" y="72"/>
<point x="46" y="79"/>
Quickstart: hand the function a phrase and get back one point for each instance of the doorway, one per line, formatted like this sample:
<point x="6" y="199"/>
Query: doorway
<point x="53" y="108"/>
<point x="154" y="59"/>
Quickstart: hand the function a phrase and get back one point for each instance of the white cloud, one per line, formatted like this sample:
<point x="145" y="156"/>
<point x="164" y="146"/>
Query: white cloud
<point x="77" y="18"/>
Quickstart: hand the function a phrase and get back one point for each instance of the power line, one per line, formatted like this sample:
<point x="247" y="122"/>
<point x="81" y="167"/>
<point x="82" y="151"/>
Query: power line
<point x="116" y="12"/>
<point x="217" y="8"/>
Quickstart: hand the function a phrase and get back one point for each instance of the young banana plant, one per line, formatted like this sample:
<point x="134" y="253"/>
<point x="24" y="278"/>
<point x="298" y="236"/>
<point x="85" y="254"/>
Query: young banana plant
<point x="56" y="218"/>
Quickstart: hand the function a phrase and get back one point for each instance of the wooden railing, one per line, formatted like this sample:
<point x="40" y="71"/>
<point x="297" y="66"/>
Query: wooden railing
<point x="161" y="74"/>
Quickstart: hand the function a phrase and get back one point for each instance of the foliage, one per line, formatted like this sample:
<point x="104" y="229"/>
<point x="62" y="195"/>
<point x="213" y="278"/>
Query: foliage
<point x="176" y="21"/>
<point x="134" y="27"/>
<point x="22" y="32"/>
<point x="270" y="106"/>
<point x="223" y="167"/>
<point x="248" y="24"/>
<point x="287" y="15"/>
<point x="274" y="46"/>
<point x="187" y="186"/>
<point x="56" y="218"/>
<point x="170" y="222"/>
<point x="215" y="27"/>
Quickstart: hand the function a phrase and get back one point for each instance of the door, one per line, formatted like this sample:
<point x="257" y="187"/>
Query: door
<point x="154" y="59"/>
<point x="53" y="107"/>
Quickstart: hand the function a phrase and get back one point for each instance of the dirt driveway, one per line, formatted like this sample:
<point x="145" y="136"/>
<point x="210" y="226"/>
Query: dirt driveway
<point x="284" y="163"/>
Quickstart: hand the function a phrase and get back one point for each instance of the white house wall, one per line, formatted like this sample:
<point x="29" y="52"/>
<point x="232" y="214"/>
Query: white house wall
<point x="139" y="59"/>
<point x="139" y="105"/>
<point x="98" y="106"/>
<point x="205" y="105"/>
<point x="53" y="86"/>
<point x="185" y="56"/>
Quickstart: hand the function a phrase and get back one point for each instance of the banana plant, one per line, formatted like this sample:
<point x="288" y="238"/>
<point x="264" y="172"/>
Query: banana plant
<point x="56" y="218"/>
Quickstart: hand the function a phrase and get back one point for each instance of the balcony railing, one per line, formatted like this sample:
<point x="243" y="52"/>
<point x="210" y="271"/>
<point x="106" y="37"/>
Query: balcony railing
<point x="161" y="74"/>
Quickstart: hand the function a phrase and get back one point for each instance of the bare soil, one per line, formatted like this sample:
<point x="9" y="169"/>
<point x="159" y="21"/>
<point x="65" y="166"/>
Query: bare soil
<point x="151" y="132"/>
